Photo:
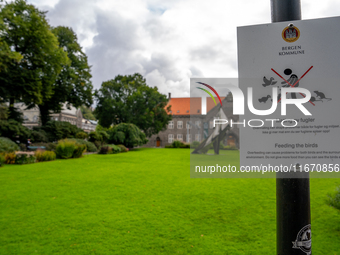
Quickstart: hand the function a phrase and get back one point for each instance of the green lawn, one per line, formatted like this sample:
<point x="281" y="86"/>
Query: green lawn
<point x="144" y="202"/>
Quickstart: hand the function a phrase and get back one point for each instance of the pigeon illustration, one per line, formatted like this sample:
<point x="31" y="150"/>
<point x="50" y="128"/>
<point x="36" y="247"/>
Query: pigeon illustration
<point x="268" y="82"/>
<point x="264" y="99"/>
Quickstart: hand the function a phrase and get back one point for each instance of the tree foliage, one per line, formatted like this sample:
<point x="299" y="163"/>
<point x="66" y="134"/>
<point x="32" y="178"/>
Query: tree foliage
<point x="57" y="130"/>
<point x="87" y="113"/>
<point x="128" y="99"/>
<point x="73" y="84"/>
<point x="27" y="34"/>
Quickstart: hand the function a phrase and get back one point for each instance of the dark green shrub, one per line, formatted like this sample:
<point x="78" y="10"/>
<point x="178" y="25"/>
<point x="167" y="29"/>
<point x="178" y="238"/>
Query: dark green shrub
<point x="176" y="144"/>
<point x="185" y="145"/>
<point x="123" y="148"/>
<point x="22" y="147"/>
<point x="127" y="134"/>
<point x="82" y="135"/>
<point x="2" y="160"/>
<point x="334" y="200"/>
<point x="97" y="144"/>
<point x="42" y="155"/>
<point x="105" y="150"/>
<point x="24" y="159"/>
<point x="115" y="148"/>
<point x="69" y="149"/>
<point x="65" y="149"/>
<point x="39" y="136"/>
<point x="14" y="130"/>
<point x="109" y="149"/>
<point x="168" y="146"/>
<point x="90" y="147"/>
<point x="79" y="150"/>
<point x="6" y="145"/>
<point x="95" y="137"/>
<point x="195" y="144"/>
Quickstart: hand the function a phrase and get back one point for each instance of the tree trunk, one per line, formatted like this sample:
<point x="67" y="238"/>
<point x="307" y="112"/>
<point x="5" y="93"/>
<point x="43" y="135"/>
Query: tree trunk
<point x="44" y="115"/>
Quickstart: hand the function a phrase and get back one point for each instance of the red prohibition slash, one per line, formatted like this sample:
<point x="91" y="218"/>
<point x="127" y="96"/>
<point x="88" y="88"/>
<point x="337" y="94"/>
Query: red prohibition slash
<point x="294" y="83"/>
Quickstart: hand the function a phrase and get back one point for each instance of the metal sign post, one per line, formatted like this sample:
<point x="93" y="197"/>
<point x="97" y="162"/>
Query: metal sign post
<point x="292" y="195"/>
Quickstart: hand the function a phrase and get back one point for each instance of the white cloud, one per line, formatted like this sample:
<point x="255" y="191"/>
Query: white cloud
<point x="167" y="41"/>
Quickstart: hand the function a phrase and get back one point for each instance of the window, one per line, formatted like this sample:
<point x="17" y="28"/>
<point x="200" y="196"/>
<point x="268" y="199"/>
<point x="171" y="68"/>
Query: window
<point x="179" y="124"/>
<point x="189" y="138"/>
<point x="198" y="137"/>
<point x="171" y="125"/>
<point x="198" y="124"/>
<point x="188" y="124"/>
<point x="179" y="137"/>
<point x="170" y="138"/>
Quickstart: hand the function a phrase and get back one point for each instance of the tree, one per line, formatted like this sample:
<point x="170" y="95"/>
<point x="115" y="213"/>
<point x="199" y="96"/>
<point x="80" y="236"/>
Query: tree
<point x="73" y="84"/>
<point x="87" y="113"/>
<point x="128" y="99"/>
<point x="26" y="32"/>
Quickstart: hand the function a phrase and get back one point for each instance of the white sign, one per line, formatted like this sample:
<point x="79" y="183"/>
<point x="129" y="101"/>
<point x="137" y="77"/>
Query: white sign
<point x="304" y="54"/>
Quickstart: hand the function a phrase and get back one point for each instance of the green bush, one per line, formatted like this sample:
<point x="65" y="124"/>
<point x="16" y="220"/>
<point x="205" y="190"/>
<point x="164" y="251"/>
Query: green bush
<point x="168" y="146"/>
<point x="195" y="144"/>
<point x="185" y="145"/>
<point x="82" y="135"/>
<point x="123" y="148"/>
<point x="127" y="134"/>
<point x="115" y="148"/>
<point x="97" y="144"/>
<point x="14" y="130"/>
<point x="65" y="149"/>
<point x="24" y="159"/>
<point x="2" y="160"/>
<point x="109" y="149"/>
<point x="105" y="150"/>
<point x="69" y="149"/>
<point x="39" y="136"/>
<point x="42" y="155"/>
<point x="6" y="145"/>
<point x="79" y="150"/>
<point x="176" y="144"/>
<point x="90" y="147"/>
<point x="334" y="200"/>
<point x="95" y="137"/>
<point x="22" y="147"/>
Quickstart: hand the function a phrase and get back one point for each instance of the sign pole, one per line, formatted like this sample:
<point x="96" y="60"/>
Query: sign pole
<point x="293" y="220"/>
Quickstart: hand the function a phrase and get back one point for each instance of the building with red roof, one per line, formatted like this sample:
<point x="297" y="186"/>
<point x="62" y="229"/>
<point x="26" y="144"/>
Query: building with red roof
<point x="188" y="124"/>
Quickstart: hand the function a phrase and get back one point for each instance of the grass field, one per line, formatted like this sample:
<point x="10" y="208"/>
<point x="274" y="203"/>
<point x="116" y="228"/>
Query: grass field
<point x="144" y="202"/>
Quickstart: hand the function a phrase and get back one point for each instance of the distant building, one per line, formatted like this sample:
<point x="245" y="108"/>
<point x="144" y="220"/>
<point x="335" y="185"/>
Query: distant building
<point x="31" y="116"/>
<point x="188" y="124"/>
<point x="89" y="125"/>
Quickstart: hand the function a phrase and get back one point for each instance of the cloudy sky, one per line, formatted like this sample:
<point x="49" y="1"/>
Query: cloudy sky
<point x="167" y="41"/>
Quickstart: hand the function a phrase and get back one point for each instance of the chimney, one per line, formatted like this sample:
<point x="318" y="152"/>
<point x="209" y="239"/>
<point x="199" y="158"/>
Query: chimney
<point x="169" y="97"/>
